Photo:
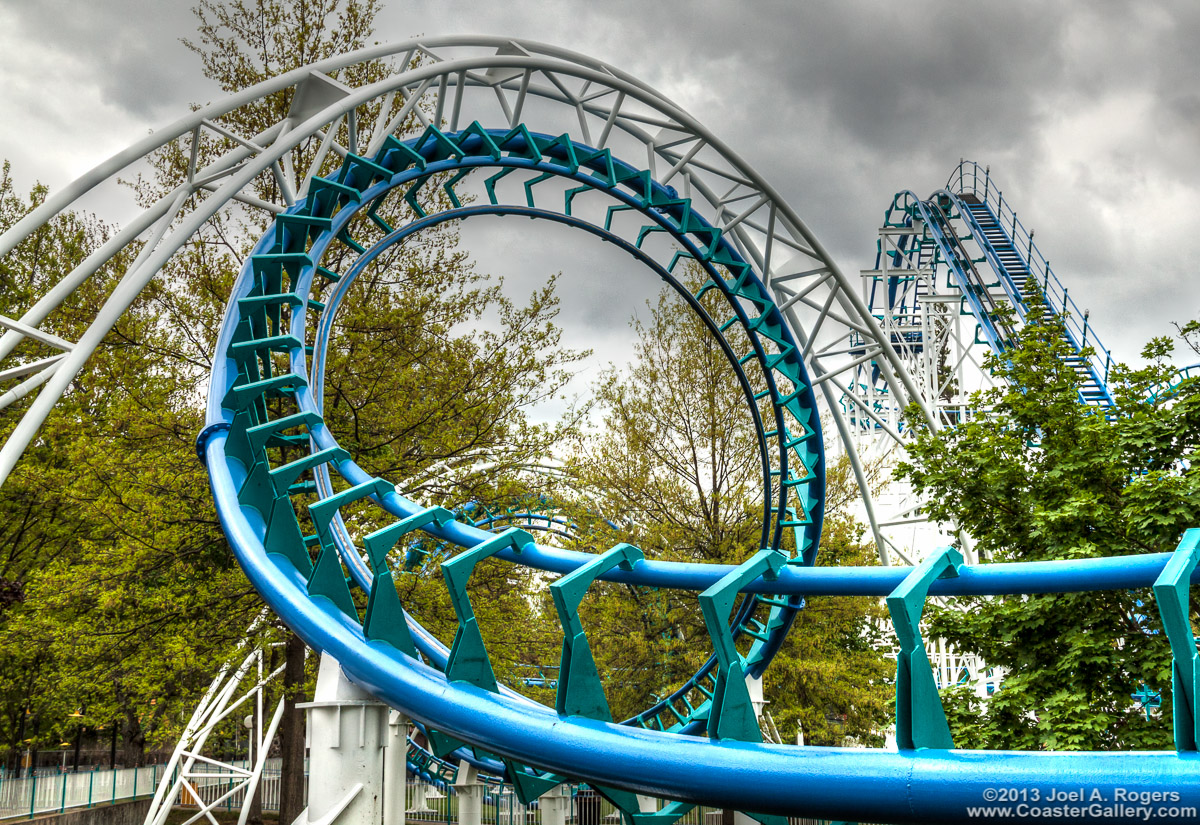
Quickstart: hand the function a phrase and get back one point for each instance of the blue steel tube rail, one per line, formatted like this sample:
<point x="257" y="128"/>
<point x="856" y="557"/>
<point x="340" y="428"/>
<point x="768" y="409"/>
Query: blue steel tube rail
<point x="791" y="421"/>
<point x="907" y="786"/>
<point x="919" y="784"/>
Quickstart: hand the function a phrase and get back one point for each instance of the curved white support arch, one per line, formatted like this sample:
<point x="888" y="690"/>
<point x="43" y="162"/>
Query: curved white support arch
<point x="459" y="79"/>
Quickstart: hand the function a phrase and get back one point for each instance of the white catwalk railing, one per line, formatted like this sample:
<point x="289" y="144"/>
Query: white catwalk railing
<point x="29" y="796"/>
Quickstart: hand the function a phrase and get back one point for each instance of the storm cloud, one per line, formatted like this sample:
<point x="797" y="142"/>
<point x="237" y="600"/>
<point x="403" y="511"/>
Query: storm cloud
<point x="1088" y="114"/>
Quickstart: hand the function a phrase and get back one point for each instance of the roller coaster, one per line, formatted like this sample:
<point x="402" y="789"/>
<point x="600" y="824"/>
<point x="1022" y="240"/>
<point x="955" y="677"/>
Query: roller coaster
<point x="963" y="253"/>
<point x="481" y="126"/>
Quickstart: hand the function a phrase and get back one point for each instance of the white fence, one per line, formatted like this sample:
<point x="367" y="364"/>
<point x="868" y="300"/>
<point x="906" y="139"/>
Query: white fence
<point x="28" y="796"/>
<point x="427" y="803"/>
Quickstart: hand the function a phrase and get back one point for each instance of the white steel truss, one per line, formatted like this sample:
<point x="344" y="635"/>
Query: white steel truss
<point x="453" y="82"/>
<point x="233" y="689"/>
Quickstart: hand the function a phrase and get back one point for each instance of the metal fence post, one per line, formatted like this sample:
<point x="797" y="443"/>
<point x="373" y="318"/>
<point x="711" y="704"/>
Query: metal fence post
<point x="91" y="781"/>
<point x="32" y="793"/>
<point x="62" y="802"/>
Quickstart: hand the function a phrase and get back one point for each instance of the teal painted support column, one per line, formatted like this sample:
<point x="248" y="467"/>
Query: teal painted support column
<point x="385" y="616"/>
<point x="327" y="578"/>
<point x="920" y="717"/>
<point x="283" y="534"/>
<point x="1171" y="592"/>
<point x="732" y="715"/>
<point x="579" y="690"/>
<point x="469" y="660"/>
<point x="258" y="489"/>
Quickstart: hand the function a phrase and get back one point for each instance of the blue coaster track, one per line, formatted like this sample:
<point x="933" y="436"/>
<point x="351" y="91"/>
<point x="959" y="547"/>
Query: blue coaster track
<point x="454" y="694"/>
<point x="281" y="271"/>
<point x="971" y="238"/>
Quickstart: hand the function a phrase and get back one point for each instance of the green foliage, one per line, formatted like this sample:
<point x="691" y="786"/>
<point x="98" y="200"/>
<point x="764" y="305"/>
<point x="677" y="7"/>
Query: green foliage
<point x="114" y="550"/>
<point x="830" y="680"/>
<point x="676" y="461"/>
<point x="117" y="591"/>
<point x="1042" y="477"/>
<point x="517" y="629"/>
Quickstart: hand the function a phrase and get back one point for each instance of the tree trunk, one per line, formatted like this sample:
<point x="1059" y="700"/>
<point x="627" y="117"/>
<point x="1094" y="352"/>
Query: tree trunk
<point x="291" y="734"/>
<point x="133" y="740"/>
<point x="33" y="751"/>
<point x="18" y="741"/>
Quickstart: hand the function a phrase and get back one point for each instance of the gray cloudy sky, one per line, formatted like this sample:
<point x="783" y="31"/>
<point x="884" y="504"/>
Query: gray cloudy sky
<point x="1087" y="112"/>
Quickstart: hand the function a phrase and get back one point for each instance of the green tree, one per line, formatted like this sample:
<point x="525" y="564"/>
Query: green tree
<point x="675" y="465"/>
<point x="35" y="524"/>
<point x="120" y="594"/>
<point x="113" y="552"/>
<point x="832" y="680"/>
<point x="1042" y="477"/>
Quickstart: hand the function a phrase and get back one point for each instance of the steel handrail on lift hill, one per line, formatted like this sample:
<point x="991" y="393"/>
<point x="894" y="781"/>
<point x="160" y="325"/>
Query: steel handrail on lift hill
<point x="969" y="177"/>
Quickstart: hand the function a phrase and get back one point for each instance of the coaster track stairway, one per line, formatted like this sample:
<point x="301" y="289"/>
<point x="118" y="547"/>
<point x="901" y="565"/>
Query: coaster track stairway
<point x="963" y="252"/>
